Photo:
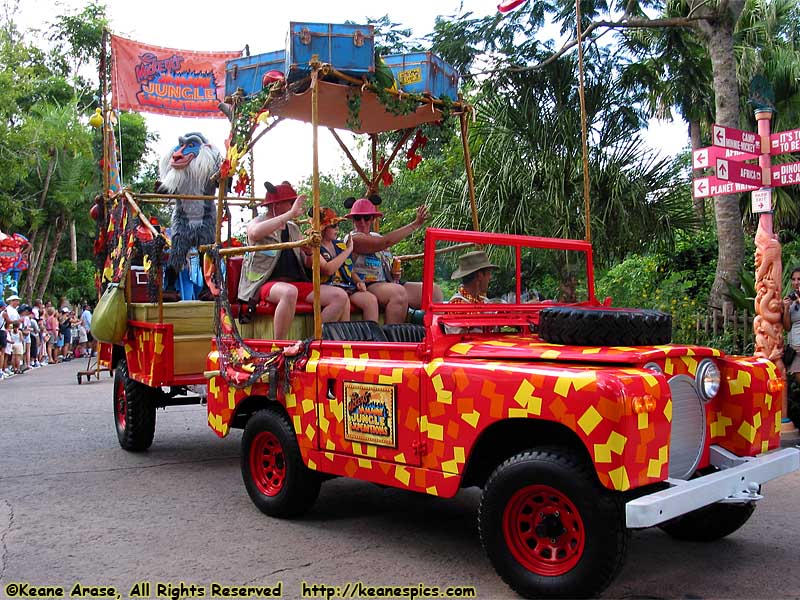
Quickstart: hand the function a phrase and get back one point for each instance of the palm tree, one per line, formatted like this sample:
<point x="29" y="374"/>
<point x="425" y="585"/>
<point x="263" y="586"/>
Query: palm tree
<point x="673" y="71"/>
<point x="528" y="164"/>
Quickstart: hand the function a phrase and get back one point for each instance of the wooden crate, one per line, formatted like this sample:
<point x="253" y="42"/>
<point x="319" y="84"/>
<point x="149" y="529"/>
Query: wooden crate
<point x="187" y="317"/>
<point x="261" y="328"/>
<point x="190" y="352"/>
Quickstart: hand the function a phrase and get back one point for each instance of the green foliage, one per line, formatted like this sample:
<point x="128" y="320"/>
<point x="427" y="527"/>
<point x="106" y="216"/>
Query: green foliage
<point x="391" y="37"/>
<point x="676" y="282"/>
<point x="527" y="159"/>
<point x="76" y="282"/>
<point x="48" y="170"/>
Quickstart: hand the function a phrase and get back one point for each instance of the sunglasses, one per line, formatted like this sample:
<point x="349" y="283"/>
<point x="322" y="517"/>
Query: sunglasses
<point x="362" y="217"/>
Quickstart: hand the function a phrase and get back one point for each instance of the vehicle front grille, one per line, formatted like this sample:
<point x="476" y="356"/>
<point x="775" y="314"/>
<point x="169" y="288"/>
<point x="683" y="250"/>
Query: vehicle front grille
<point x="688" y="436"/>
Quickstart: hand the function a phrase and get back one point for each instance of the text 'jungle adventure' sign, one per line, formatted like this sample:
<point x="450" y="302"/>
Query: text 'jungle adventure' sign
<point x="369" y="413"/>
<point x="183" y="83"/>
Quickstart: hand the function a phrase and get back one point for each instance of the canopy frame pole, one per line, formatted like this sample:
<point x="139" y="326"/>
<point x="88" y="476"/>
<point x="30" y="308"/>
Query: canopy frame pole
<point x="584" y="134"/>
<point x="406" y="134"/>
<point x="468" y="164"/>
<point x="315" y="66"/>
<point x="371" y="189"/>
<point x="348" y="154"/>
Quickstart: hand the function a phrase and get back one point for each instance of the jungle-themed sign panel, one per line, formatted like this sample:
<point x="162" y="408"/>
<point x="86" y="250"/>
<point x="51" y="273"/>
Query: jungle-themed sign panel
<point x="166" y="81"/>
<point x="370" y="413"/>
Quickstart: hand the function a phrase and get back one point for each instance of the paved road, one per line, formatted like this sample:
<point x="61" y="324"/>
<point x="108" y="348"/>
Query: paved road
<point x="74" y="508"/>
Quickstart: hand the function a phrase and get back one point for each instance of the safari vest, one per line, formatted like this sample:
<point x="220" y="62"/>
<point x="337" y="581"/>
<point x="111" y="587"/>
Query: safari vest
<point x="257" y="267"/>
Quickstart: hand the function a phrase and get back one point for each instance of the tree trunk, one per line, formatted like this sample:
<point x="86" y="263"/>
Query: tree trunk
<point x="718" y="34"/>
<point x="34" y="233"/>
<point x="73" y="243"/>
<point x="698" y="204"/>
<point x="36" y="263"/>
<point x="61" y="226"/>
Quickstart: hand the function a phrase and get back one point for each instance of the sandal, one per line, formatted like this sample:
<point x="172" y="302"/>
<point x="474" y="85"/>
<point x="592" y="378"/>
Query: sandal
<point x="247" y="312"/>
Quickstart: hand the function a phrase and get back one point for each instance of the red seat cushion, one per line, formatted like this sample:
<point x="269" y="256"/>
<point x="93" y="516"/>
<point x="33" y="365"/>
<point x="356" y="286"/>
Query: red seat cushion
<point x="234" y="271"/>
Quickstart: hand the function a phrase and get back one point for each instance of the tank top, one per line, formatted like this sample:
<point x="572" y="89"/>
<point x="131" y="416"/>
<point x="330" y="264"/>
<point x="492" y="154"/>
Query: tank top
<point x="344" y="274"/>
<point x="370" y="267"/>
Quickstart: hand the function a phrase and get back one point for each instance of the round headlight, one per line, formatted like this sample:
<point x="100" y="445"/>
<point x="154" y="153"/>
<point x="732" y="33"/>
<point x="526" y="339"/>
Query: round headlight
<point x="708" y="379"/>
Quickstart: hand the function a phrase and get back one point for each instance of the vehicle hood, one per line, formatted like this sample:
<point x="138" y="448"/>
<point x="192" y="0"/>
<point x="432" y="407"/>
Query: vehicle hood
<point x="532" y="349"/>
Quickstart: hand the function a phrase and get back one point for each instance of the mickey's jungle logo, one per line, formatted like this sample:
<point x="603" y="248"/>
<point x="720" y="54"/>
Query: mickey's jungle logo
<point x="166" y="84"/>
<point x="370" y="413"/>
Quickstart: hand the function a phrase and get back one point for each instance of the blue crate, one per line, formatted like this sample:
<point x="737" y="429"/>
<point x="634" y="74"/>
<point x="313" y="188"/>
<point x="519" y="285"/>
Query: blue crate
<point x="247" y="72"/>
<point x="348" y="48"/>
<point x="423" y="73"/>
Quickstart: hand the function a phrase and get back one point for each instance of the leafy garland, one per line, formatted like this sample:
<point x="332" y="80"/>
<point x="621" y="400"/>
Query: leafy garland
<point x="353" y="109"/>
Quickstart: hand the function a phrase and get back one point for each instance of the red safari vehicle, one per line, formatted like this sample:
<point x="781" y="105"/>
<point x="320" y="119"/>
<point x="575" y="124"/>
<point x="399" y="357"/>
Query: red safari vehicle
<point x="579" y="421"/>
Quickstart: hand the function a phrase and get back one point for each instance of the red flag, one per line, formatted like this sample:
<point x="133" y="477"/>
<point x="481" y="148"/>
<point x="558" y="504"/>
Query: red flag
<point x="183" y="83"/>
<point x="507" y="5"/>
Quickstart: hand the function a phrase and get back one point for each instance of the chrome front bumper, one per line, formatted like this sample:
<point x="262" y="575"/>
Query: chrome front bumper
<point x="738" y="481"/>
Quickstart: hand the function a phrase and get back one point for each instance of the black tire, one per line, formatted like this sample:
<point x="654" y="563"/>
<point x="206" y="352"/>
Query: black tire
<point x="549" y="528"/>
<point x="277" y="480"/>
<point x="134" y="410"/>
<point x="604" y="326"/>
<point x="710" y="523"/>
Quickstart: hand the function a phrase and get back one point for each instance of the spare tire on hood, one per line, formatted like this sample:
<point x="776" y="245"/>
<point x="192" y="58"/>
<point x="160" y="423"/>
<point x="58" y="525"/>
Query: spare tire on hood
<point x="602" y="326"/>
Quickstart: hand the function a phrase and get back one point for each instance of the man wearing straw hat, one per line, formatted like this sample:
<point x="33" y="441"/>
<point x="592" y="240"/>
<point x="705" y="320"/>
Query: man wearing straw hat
<point x="279" y="276"/>
<point x="475" y="272"/>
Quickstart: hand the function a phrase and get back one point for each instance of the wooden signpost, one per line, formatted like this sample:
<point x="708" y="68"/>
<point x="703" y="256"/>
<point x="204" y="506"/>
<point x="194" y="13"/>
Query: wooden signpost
<point x="728" y="156"/>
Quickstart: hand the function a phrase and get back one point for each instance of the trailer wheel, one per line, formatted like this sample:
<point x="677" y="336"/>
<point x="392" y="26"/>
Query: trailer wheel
<point x="709" y="523"/>
<point x="134" y="411"/>
<point x="604" y="326"/>
<point x="549" y="528"/>
<point x="277" y="480"/>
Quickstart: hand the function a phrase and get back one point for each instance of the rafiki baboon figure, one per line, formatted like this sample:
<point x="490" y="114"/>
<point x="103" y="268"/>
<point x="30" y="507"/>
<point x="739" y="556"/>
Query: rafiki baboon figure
<point x="187" y="170"/>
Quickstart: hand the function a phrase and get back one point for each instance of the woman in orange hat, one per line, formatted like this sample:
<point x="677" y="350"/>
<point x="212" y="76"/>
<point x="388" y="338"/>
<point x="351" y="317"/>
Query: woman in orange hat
<point x="372" y="262"/>
<point x="279" y="276"/>
<point x="336" y="266"/>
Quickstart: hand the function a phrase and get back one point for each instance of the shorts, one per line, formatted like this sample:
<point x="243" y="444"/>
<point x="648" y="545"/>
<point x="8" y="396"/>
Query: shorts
<point x="3" y="338"/>
<point x="82" y="339"/>
<point x="304" y="288"/>
<point x="795" y="366"/>
<point x="17" y="348"/>
<point x="60" y="341"/>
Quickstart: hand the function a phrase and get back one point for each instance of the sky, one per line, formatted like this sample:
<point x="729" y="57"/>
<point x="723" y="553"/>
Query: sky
<point x="285" y="152"/>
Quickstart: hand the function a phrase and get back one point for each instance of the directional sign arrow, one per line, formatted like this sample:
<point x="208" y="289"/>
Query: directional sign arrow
<point x="701" y="187"/>
<point x="719" y="136"/>
<point x="722" y="168"/>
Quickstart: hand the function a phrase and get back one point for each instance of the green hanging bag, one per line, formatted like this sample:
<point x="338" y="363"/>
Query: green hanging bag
<point x="110" y="318"/>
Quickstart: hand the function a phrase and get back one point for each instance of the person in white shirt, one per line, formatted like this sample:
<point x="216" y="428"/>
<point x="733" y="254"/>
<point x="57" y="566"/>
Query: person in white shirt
<point x="11" y="314"/>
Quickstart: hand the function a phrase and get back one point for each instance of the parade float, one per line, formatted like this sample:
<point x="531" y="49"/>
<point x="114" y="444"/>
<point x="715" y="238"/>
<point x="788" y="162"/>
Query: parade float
<point x="580" y="421"/>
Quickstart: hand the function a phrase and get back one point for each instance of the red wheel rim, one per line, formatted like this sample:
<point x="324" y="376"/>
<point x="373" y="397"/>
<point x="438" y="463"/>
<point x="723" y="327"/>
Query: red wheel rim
<point x="543" y="530"/>
<point x="267" y="463"/>
<point x="122" y="404"/>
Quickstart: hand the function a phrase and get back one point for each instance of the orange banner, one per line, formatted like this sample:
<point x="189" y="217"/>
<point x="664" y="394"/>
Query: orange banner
<point x="182" y="83"/>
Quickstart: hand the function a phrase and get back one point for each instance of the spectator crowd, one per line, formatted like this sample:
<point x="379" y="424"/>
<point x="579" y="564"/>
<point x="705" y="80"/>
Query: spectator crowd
<point x="39" y="334"/>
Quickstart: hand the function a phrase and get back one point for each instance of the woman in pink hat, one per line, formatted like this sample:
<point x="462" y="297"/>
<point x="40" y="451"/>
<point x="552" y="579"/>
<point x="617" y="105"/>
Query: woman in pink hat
<point x="372" y="262"/>
<point x="279" y="276"/>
